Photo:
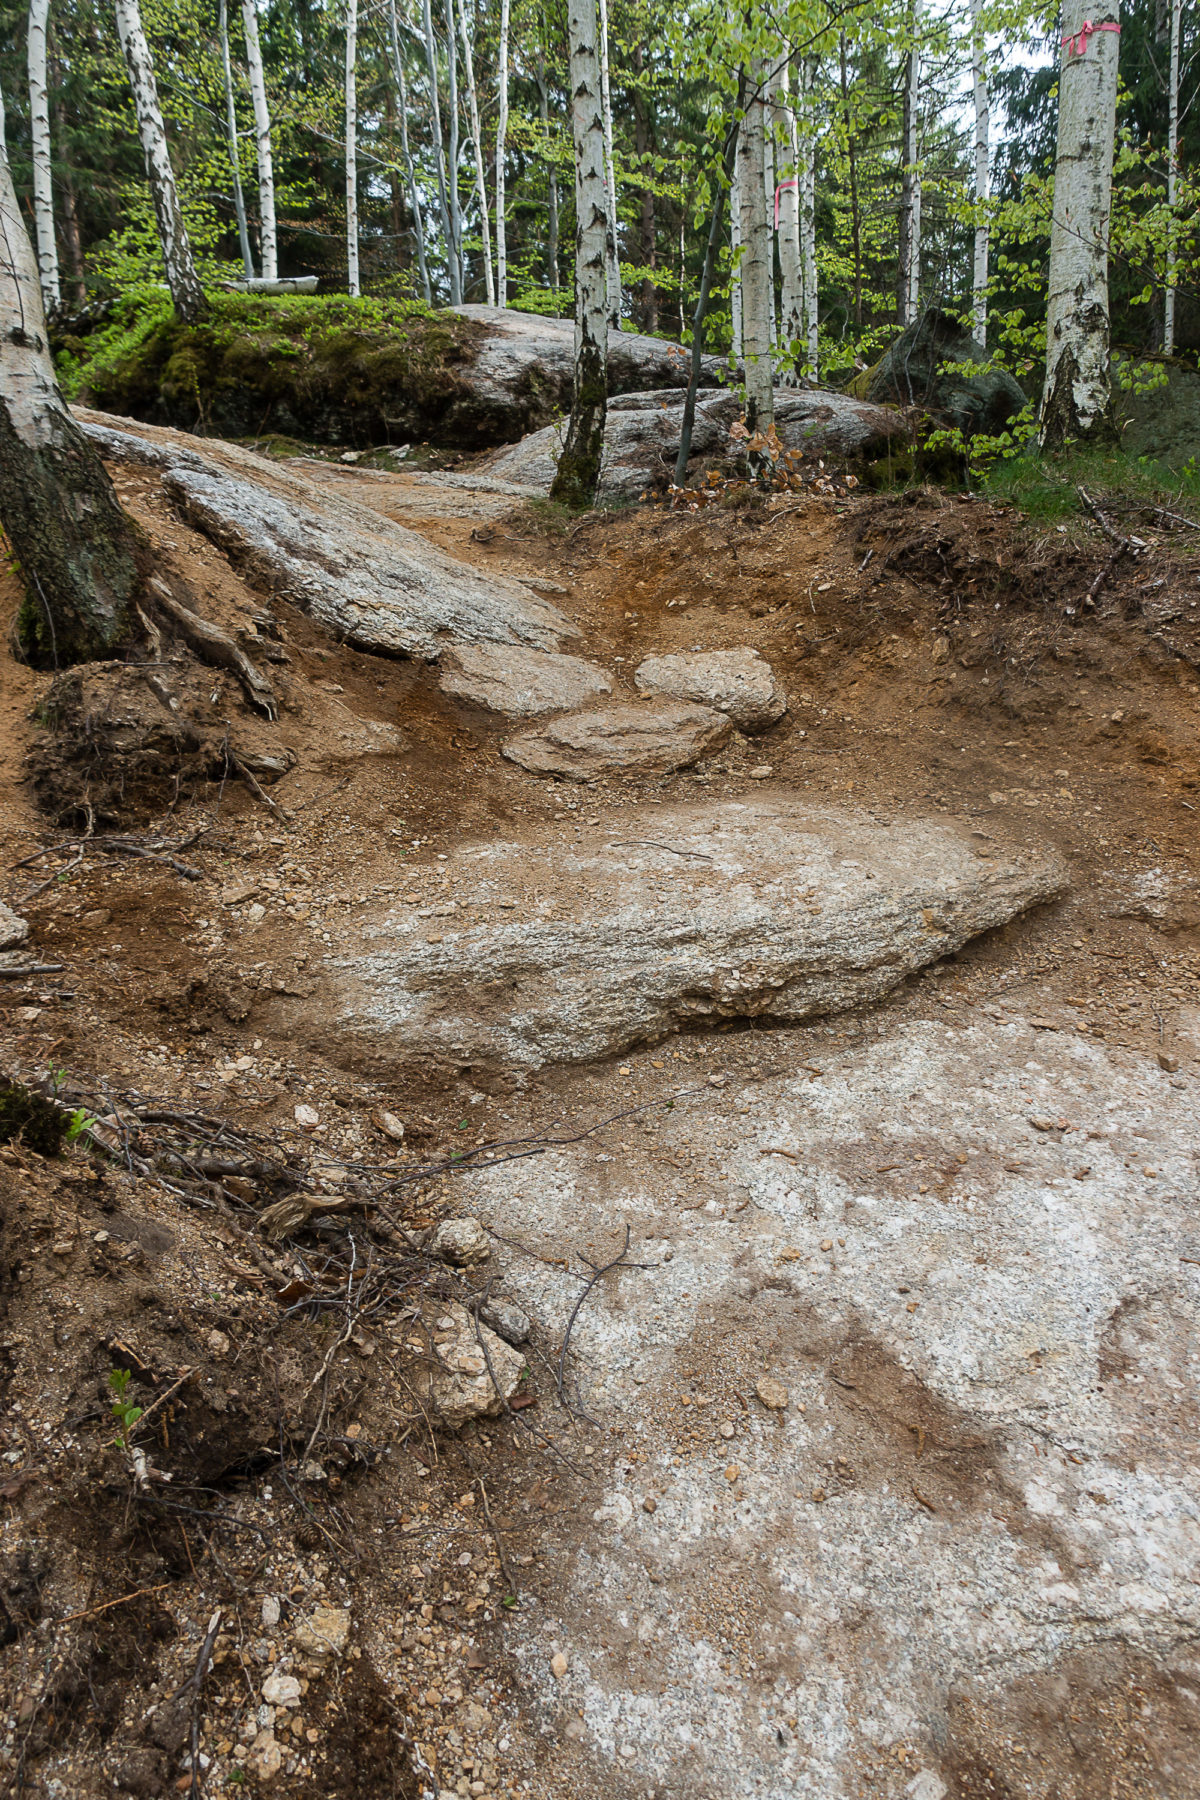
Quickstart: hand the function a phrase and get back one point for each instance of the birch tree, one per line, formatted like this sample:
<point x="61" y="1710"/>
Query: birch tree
<point x="453" y="263"/>
<point x="979" y="82"/>
<point x="414" y="193"/>
<point x="501" y="148"/>
<point x="579" y="464"/>
<point x="477" y="144"/>
<point x="755" y="234"/>
<point x="1077" y="398"/>
<point x="1172" y="179"/>
<point x="808" y="219"/>
<point x="456" y="231"/>
<point x="262" y="144"/>
<point x="551" y="176"/>
<point x="39" y="131"/>
<point x="74" y="547"/>
<point x="613" y="256"/>
<point x="735" y="263"/>
<point x="231" y="134"/>
<point x="182" y="278"/>
<point x="787" y="222"/>
<point x="352" y="281"/>
<point x="909" y="272"/>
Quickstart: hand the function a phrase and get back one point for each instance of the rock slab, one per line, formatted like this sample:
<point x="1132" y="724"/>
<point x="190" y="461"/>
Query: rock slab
<point x="740" y="683"/>
<point x="772" y="909"/>
<point x="613" y="739"/>
<point x="507" y="678"/>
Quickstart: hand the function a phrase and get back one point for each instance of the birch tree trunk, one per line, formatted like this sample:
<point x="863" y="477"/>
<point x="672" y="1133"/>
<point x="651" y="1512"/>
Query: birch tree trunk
<point x="182" y="278"/>
<point x="579" y="464"/>
<point x="352" y="281"/>
<point x="982" y="175"/>
<point x="1077" y="398"/>
<point x="414" y="197"/>
<point x="756" y="256"/>
<point x="480" y="177"/>
<point x="453" y="266"/>
<point x="769" y="203"/>
<point x="909" y="273"/>
<point x="787" y="227"/>
<point x="39" y="130"/>
<point x="501" y="149"/>
<point x="612" y="255"/>
<point x="73" y="544"/>
<point x="551" y="179"/>
<point x="231" y="134"/>
<point x="262" y="142"/>
<point x="735" y="263"/>
<point x="808" y="221"/>
<point x="452" y="158"/>
<point x="1172" y="180"/>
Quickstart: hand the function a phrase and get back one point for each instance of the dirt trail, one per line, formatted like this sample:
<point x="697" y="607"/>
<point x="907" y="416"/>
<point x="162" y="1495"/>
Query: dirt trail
<point x="957" y="1228"/>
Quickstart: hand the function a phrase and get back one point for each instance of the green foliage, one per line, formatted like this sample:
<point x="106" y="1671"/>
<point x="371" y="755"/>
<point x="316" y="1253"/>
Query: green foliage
<point x="122" y="1408"/>
<point x="1046" y="487"/>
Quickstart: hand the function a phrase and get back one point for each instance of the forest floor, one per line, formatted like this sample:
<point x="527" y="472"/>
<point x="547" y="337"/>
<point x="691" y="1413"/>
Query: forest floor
<point x="396" y="1610"/>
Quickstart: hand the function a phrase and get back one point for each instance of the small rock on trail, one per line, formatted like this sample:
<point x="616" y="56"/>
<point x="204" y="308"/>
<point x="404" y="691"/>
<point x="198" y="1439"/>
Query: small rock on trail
<point x="740" y="683"/>
<point x="507" y="678"/>
<point x="772" y="909"/>
<point x="651" y="739"/>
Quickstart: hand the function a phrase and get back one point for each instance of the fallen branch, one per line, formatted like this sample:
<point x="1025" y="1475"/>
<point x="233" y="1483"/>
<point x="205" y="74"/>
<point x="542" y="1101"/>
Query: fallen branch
<point x="216" y="646"/>
<point x="597" y="1273"/>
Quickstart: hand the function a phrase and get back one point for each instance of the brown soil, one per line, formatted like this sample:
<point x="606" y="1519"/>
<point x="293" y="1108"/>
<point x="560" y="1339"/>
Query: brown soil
<point x="931" y="663"/>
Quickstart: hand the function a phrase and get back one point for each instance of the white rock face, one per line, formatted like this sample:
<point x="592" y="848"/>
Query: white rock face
<point x="651" y="739"/>
<point x="354" y="571"/>
<point x="976" y="1524"/>
<point x="521" y="683"/>
<point x="771" y="909"/>
<point x="14" y="930"/>
<point x="739" y="683"/>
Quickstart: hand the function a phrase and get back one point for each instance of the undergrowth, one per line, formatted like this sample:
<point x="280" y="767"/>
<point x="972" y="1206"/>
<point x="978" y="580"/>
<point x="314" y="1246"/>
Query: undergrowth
<point x="1046" y="487"/>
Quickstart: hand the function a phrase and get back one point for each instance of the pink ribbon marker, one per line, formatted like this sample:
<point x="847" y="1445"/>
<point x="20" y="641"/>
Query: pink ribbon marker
<point x="791" y="182"/>
<point x="1076" y="45"/>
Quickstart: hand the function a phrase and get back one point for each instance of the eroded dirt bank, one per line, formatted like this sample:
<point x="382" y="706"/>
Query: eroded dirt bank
<point x="953" y="1231"/>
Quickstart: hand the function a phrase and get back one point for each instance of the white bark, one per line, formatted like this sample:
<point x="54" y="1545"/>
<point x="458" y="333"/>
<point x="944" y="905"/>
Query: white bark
<point x="182" y="279"/>
<point x="808" y="221"/>
<point x="910" y="185"/>
<point x="477" y="141"/>
<point x="579" y="465"/>
<point x="612" y="253"/>
<point x="352" y="281"/>
<point x="39" y="126"/>
<point x="756" y="254"/>
<point x="456" y="230"/>
<point x="501" y="149"/>
<point x="735" y="264"/>
<point x="231" y="133"/>
<point x="453" y="266"/>
<point x="982" y="175"/>
<point x="1076" y="400"/>
<point x="787" y="230"/>
<point x="1172" y="179"/>
<point x="28" y="385"/>
<point x="769" y="201"/>
<point x="414" y="195"/>
<point x="262" y="143"/>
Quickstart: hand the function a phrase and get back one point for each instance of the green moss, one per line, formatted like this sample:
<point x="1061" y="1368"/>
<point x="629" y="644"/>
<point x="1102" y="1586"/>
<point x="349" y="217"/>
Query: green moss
<point x="1046" y="486"/>
<point x="25" y="1114"/>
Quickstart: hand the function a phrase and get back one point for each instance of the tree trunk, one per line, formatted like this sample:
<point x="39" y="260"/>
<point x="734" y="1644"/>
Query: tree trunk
<point x="73" y="545"/>
<point x="982" y="175"/>
<point x="852" y="182"/>
<point x="908" y="279"/>
<point x="480" y="175"/>
<point x="736" y="311"/>
<point x="268" y="239"/>
<point x="72" y="237"/>
<point x="1077" y="398"/>
<point x="1172" y="180"/>
<point x="808" y="223"/>
<point x="352" y="281"/>
<point x="456" y="229"/>
<point x="453" y="266"/>
<point x="787" y="228"/>
<point x="649" y="224"/>
<point x="612" y="254"/>
<point x="769" y="203"/>
<point x="231" y="133"/>
<point x="414" y="197"/>
<point x="182" y="278"/>
<point x="501" y="151"/>
<point x="579" y="464"/>
<point x="39" y="129"/>
<point x="756" y="256"/>
<point x="707" y="272"/>
<point x="551" y="182"/>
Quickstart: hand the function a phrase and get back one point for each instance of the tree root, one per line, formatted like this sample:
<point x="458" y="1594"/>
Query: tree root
<point x="215" y="646"/>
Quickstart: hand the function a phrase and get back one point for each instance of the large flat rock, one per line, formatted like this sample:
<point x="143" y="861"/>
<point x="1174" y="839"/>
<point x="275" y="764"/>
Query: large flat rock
<point x="649" y="739"/>
<point x="363" y="577"/>
<point x="740" y="683"/>
<point x="964" y="1560"/>
<point x="774" y="909"/>
<point x="505" y="678"/>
